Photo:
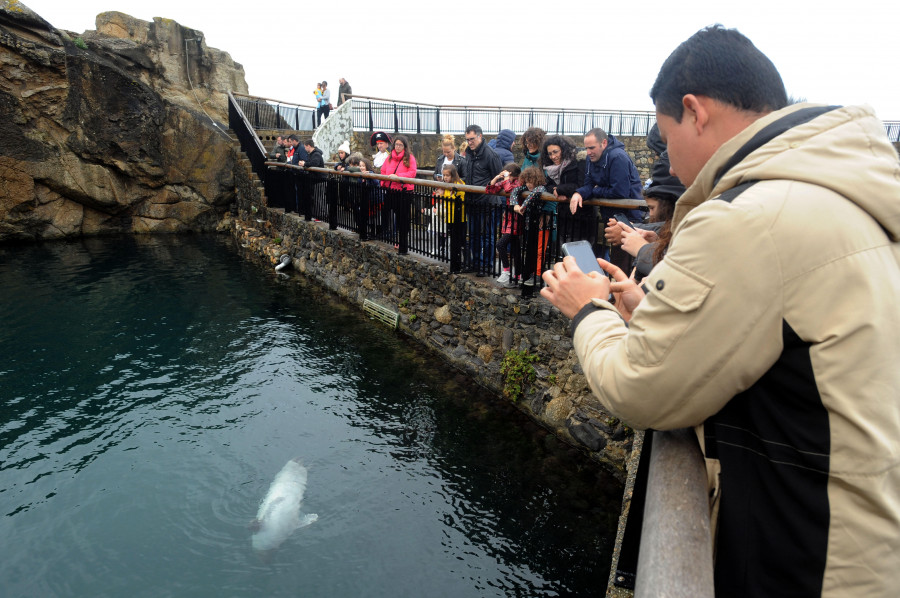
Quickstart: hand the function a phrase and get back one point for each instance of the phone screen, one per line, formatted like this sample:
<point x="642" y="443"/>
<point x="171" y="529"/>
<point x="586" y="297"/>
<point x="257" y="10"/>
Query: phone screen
<point x="624" y="220"/>
<point x="584" y="256"/>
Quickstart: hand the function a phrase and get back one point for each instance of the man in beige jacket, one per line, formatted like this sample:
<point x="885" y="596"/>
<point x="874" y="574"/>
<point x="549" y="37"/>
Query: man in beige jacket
<point x="772" y="324"/>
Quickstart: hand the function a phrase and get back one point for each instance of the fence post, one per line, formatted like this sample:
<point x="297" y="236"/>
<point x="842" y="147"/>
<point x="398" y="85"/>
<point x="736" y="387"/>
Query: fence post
<point x="418" y="121"/>
<point x="457" y="229"/>
<point x="362" y="203"/>
<point x="332" y="198"/>
<point x="437" y="120"/>
<point x="676" y="550"/>
<point x="396" y="118"/>
<point x="404" y="205"/>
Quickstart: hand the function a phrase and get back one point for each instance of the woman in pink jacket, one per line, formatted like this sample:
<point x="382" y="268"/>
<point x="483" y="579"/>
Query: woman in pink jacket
<point x="400" y="163"/>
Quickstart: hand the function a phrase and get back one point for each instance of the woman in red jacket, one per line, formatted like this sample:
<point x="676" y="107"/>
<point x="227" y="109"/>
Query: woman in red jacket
<point x="399" y="164"/>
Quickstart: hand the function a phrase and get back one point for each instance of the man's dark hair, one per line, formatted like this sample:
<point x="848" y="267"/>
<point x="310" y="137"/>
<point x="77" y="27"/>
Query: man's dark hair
<point x="721" y="64"/>
<point x="598" y="134"/>
<point x="294" y="138"/>
<point x="474" y="129"/>
<point x="309" y="143"/>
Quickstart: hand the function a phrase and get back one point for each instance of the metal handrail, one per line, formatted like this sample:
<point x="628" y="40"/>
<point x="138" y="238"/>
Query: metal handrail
<point x="427" y="182"/>
<point x="251" y="145"/>
<point x="676" y="556"/>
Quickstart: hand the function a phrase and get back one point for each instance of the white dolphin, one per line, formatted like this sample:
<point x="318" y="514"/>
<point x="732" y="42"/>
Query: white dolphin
<point x="279" y="512"/>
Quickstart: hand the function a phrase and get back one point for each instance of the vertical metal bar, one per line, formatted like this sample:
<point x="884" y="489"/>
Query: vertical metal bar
<point x="676" y="551"/>
<point x="332" y="198"/>
<point x="403" y="206"/>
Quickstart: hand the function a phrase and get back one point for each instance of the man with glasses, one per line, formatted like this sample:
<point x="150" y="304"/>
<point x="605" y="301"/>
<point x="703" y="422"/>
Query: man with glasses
<point x="481" y="166"/>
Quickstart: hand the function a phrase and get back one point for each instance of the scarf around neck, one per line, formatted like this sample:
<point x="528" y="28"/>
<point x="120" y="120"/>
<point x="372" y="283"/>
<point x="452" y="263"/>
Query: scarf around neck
<point x="555" y="170"/>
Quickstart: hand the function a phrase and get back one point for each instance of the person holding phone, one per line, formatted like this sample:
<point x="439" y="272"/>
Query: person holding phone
<point x="771" y="326"/>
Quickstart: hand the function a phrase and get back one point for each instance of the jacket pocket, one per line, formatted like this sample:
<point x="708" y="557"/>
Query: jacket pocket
<point x="674" y="295"/>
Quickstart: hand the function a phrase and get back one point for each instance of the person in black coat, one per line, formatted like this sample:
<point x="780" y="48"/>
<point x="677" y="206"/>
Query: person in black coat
<point x="565" y="174"/>
<point x="483" y="212"/>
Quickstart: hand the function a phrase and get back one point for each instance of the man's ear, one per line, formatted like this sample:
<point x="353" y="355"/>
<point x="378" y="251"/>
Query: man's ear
<point x="696" y="109"/>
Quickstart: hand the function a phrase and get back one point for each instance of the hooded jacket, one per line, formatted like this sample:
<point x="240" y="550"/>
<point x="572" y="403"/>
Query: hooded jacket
<point x="502" y="145"/>
<point x="772" y="325"/>
<point x="613" y="176"/>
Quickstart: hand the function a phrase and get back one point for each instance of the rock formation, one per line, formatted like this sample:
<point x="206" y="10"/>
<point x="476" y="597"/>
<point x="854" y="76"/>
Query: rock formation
<point x="101" y="132"/>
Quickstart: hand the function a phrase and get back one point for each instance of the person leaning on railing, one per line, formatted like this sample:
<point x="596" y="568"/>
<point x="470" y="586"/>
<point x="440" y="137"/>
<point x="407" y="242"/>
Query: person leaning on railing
<point x="771" y="326"/>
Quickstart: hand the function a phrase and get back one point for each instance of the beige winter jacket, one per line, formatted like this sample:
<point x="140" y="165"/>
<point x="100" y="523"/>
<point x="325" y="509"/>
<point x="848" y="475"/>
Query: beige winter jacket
<point x="774" y="323"/>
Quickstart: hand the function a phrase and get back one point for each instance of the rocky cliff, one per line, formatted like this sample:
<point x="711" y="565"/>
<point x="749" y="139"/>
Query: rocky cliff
<point x="102" y="132"/>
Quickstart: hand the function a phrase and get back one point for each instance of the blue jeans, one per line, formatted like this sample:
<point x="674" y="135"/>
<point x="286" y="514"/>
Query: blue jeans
<point x="483" y="222"/>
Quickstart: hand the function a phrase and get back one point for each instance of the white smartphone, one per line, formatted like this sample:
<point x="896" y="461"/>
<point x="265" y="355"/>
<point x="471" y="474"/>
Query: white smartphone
<point x="584" y="256"/>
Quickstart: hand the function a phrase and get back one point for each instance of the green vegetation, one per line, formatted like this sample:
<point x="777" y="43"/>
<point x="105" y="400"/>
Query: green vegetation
<point x="80" y="43"/>
<point x="517" y="373"/>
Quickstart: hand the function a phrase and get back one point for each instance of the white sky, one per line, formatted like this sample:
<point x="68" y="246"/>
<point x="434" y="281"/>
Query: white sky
<point x="567" y="54"/>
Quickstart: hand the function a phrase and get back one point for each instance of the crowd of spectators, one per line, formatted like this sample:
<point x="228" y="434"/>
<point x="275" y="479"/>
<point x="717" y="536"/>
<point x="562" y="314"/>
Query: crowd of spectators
<point x="492" y="228"/>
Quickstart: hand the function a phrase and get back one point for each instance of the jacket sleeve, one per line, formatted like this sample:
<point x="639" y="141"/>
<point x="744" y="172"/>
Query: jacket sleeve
<point x="709" y="328"/>
<point x="644" y="259"/>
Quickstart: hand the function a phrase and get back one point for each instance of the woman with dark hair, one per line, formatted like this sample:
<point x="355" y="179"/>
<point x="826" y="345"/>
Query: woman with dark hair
<point x="532" y="142"/>
<point x="561" y="167"/>
<point x="648" y="243"/>
<point x="399" y="164"/>
<point x="565" y="174"/>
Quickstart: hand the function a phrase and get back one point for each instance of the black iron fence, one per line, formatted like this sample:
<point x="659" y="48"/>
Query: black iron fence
<point x="263" y="113"/>
<point x="375" y="114"/>
<point x="246" y="134"/>
<point x="459" y="225"/>
<point x="378" y="114"/>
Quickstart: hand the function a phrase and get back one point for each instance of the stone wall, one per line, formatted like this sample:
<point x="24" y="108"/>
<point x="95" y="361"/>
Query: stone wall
<point x="468" y="321"/>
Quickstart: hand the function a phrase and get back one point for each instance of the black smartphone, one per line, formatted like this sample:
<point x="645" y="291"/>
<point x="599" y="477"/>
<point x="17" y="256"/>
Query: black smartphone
<point x="584" y="256"/>
<point x="620" y="217"/>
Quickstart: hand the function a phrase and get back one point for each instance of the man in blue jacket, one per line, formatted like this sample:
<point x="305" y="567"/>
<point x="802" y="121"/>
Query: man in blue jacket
<point x="609" y="174"/>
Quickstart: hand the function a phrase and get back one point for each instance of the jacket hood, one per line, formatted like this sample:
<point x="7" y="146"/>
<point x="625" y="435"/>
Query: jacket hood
<point x="844" y="149"/>
<point x="505" y="139"/>
<point x="654" y="141"/>
<point x="613" y="143"/>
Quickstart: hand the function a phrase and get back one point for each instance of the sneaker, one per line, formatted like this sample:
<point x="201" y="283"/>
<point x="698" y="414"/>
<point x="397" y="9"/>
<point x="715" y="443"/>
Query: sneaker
<point x="530" y="281"/>
<point x="503" y="278"/>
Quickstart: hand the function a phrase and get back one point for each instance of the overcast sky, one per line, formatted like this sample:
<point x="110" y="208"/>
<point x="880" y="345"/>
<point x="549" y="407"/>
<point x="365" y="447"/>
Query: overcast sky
<point x="559" y="54"/>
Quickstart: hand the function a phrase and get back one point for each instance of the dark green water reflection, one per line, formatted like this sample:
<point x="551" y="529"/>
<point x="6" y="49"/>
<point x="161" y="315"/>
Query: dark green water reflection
<point x="150" y="389"/>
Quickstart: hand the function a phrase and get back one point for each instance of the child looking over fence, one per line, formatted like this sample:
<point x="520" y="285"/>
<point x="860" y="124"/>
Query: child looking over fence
<point x="506" y="182"/>
<point x="532" y="179"/>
